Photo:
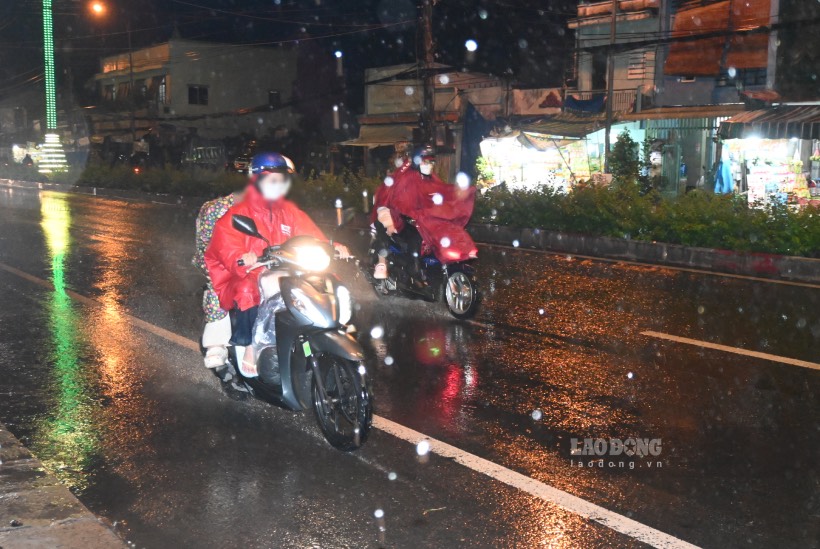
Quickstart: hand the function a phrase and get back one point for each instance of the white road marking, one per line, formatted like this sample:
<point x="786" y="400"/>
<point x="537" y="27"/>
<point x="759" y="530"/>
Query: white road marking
<point x="536" y="488"/>
<point x="545" y="492"/>
<point x="656" y="265"/>
<point x="147" y="326"/>
<point x="734" y="350"/>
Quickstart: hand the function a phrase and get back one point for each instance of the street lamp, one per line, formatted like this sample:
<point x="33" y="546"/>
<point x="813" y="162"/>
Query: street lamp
<point x="99" y="9"/>
<point x="339" y="66"/>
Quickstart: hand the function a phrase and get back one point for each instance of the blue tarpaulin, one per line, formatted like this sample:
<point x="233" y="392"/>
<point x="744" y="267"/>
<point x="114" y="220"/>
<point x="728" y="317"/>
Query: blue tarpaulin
<point x="595" y="104"/>
<point x="475" y="129"/>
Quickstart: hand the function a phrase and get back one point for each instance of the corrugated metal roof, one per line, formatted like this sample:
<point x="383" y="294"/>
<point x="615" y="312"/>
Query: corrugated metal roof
<point x="378" y="136"/>
<point x="565" y="125"/>
<point x="783" y="122"/>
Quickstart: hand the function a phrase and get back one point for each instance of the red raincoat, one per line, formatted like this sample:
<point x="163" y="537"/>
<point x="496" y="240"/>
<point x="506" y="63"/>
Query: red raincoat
<point x="440" y="221"/>
<point x="277" y="221"/>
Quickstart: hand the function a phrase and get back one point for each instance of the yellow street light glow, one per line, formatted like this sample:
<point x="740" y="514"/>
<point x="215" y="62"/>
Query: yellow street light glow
<point x="98" y="8"/>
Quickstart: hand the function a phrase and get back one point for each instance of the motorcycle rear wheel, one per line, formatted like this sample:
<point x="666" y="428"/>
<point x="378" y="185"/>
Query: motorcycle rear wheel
<point x="346" y="415"/>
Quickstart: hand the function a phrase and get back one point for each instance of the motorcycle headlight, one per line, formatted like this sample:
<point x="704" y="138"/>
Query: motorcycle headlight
<point x="312" y="258"/>
<point x="345" y="304"/>
<point x="305" y="306"/>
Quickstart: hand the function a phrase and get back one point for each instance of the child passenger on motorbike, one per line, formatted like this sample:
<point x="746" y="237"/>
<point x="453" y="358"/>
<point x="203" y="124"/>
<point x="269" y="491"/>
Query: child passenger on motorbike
<point x="232" y="256"/>
<point x="217" y="331"/>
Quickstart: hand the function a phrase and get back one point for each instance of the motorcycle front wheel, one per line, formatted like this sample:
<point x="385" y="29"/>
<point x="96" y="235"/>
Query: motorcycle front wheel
<point x="461" y="295"/>
<point x="345" y="410"/>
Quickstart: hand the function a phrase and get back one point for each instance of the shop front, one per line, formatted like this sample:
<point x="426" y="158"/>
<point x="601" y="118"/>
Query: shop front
<point x="767" y="154"/>
<point x="525" y="160"/>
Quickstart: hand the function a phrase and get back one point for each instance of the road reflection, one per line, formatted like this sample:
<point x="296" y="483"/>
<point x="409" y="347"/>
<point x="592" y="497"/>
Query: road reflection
<point x="435" y="368"/>
<point x="67" y="439"/>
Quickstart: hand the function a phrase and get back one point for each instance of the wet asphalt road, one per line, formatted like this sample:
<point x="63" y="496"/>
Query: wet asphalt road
<point x="140" y="431"/>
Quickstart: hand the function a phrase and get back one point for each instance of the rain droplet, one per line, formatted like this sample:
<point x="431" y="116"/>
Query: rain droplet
<point x="445" y="242"/>
<point x="438" y="199"/>
<point x="392" y="476"/>
<point x="462" y="180"/>
<point x="732" y="72"/>
<point x="377" y="332"/>
<point x="362" y="369"/>
<point x="379" y="513"/>
<point x="471" y="45"/>
<point x="482" y="13"/>
<point x="537" y="415"/>
<point x="422" y="448"/>
<point x="388" y="181"/>
<point x="409" y="90"/>
<point x="540" y="311"/>
<point x="630" y="375"/>
<point x="388" y="360"/>
<point x="701" y="310"/>
<point x="515" y="243"/>
<point x="444" y="79"/>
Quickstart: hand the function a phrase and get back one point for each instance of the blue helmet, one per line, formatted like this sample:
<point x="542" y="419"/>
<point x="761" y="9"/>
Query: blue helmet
<point x="270" y="162"/>
<point x="422" y="152"/>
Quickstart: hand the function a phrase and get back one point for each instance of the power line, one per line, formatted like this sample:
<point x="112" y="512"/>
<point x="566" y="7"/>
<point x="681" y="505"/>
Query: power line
<point x="270" y="19"/>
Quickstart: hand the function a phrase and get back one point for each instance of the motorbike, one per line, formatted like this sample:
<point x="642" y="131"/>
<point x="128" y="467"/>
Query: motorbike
<point x="311" y="362"/>
<point x="424" y="276"/>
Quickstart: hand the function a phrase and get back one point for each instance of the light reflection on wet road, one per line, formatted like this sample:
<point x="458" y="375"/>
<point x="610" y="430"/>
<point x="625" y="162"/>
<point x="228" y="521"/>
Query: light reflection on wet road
<point x="139" y="430"/>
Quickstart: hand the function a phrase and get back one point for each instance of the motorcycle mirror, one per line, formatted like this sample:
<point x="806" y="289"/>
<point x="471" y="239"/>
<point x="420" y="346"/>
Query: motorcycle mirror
<point x="245" y="225"/>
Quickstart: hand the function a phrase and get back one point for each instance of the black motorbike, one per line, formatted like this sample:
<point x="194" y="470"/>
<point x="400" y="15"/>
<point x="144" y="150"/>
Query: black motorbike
<point x="423" y="277"/>
<point x="307" y="358"/>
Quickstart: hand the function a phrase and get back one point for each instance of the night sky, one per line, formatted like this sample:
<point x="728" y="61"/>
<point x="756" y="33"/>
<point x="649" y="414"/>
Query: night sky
<point x="525" y="39"/>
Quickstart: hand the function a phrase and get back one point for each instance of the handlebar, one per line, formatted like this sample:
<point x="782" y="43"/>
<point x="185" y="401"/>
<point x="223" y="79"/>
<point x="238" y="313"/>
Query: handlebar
<point x="267" y="260"/>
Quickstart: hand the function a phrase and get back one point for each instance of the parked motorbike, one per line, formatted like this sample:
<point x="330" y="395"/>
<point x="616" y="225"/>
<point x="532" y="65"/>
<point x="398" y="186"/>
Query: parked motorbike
<point x="425" y="277"/>
<point x="311" y="361"/>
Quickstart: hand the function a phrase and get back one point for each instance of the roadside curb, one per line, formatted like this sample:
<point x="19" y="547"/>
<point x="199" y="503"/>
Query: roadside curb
<point x="761" y="265"/>
<point x="116" y="194"/>
<point x="37" y="511"/>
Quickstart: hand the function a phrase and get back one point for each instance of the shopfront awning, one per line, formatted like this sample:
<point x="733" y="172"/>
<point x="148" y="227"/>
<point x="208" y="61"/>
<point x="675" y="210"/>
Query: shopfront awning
<point x="540" y="142"/>
<point x="371" y="136"/>
<point x="783" y="122"/>
<point x="564" y="125"/>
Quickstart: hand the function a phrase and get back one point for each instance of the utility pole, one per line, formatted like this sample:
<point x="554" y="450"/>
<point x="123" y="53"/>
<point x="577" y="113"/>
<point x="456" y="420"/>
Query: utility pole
<point x="428" y="115"/>
<point x="610" y="83"/>
<point x="133" y="93"/>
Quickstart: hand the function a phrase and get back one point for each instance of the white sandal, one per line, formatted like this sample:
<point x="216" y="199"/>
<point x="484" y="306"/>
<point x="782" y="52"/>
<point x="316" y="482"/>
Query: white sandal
<point x="216" y="357"/>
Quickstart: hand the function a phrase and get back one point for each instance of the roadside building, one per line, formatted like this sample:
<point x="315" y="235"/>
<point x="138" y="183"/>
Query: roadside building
<point x="467" y="105"/>
<point x="185" y="87"/>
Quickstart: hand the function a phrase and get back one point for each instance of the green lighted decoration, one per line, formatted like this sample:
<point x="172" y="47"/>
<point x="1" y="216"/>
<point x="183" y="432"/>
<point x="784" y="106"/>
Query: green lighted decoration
<point x="52" y="157"/>
<point x="48" y="51"/>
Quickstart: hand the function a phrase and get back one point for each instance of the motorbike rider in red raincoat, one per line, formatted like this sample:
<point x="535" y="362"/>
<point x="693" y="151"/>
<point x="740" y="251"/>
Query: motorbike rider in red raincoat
<point x="440" y="212"/>
<point x="277" y="219"/>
